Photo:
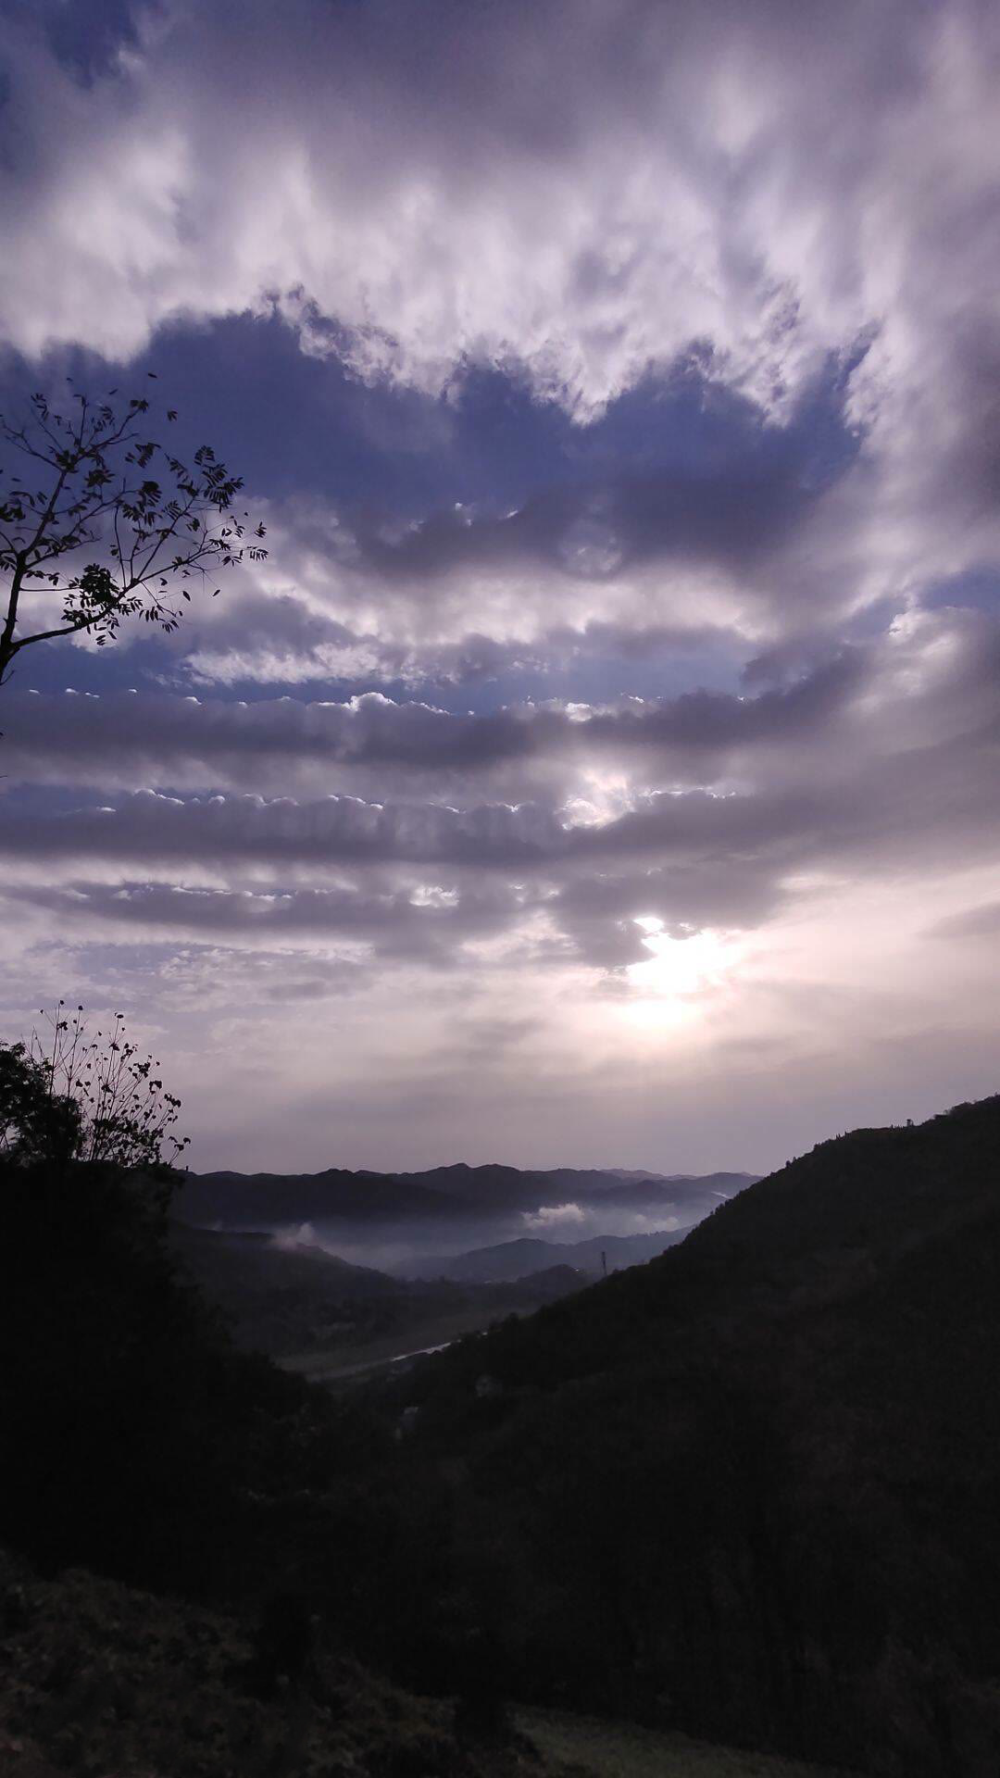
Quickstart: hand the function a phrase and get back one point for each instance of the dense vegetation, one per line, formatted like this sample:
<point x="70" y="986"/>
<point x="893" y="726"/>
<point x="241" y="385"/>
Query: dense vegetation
<point x="750" y="1487"/>
<point x="141" y="1445"/>
<point x="747" y="1490"/>
<point x="106" y="1681"/>
<point x="304" y="1305"/>
<point x="137" y="1435"/>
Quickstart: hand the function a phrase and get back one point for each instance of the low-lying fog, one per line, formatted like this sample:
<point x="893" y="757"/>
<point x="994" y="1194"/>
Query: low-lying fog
<point x="479" y="1223"/>
<point x="404" y="1248"/>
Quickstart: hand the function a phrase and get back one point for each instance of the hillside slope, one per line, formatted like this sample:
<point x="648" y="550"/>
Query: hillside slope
<point x="300" y="1302"/>
<point x="97" y="1678"/>
<point x="750" y="1488"/>
<point x="530" y="1254"/>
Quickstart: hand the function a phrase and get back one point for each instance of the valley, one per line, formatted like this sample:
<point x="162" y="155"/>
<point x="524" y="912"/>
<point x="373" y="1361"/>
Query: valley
<point x="332" y="1273"/>
<point x="736" y="1497"/>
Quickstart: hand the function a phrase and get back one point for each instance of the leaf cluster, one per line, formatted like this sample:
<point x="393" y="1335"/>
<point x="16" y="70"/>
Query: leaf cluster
<point x="71" y="1096"/>
<point x="93" y="479"/>
<point x="35" y="1123"/>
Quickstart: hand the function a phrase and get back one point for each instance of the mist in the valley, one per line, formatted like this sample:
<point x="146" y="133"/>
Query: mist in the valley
<point x="410" y="1248"/>
<point x="466" y="1227"/>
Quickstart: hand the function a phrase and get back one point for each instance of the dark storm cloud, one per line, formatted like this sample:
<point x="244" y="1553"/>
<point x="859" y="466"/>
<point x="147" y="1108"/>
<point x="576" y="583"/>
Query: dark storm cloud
<point x="152" y="826"/>
<point x="293" y="644"/>
<point x="407" y="296"/>
<point x="907" y="801"/>
<point x="449" y="150"/>
<point x="598" y="912"/>
<point x="734" y="510"/>
<point x="88" y="37"/>
<point x="977" y="923"/>
<point x="616" y="377"/>
<point x="124" y="739"/>
<point x="911" y="779"/>
<point x="393" y="924"/>
<point x="579" y="193"/>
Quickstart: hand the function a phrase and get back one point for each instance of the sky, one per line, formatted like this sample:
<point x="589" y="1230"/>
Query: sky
<point x="604" y="766"/>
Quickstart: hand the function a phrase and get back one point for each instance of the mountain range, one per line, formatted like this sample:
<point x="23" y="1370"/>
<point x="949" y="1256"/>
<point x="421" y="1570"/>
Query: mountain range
<point x="530" y="1254"/>
<point x="334" y="1268"/>
<point x="273" y="1199"/>
<point x="746" y="1491"/>
<point x="315" y="1312"/>
<point x="749" y="1488"/>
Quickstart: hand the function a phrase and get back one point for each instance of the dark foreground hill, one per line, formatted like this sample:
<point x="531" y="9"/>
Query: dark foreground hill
<point x="247" y="1520"/>
<point x="98" y="1679"/>
<point x="751" y="1488"/>
<point x="747" y="1491"/>
<point x="138" y="1444"/>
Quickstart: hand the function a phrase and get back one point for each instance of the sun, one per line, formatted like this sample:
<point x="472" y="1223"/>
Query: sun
<point x="672" y="984"/>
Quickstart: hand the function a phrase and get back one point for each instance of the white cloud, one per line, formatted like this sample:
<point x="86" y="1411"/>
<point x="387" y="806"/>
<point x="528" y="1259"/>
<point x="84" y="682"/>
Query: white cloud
<point x="587" y="190"/>
<point x="554" y="1216"/>
<point x="584" y="192"/>
<point x="579" y="194"/>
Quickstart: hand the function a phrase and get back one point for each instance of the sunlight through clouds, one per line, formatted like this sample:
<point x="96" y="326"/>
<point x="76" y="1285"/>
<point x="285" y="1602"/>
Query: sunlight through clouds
<point x="624" y="424"/>
<point x="680" y="974"/>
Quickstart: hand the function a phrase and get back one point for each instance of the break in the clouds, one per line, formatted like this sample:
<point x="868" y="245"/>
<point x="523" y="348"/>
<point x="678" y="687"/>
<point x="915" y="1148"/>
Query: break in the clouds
<point x="602" y="766"/>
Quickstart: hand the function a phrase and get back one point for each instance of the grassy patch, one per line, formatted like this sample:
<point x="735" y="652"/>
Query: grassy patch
<point x="623" y="1750"/>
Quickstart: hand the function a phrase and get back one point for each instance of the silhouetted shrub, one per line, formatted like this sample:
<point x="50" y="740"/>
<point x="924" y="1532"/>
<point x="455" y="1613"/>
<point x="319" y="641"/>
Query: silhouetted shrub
<point x="136" y="1439"/>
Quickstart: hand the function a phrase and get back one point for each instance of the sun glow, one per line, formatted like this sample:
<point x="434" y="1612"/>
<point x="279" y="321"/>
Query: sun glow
<point x="671" y="985"/>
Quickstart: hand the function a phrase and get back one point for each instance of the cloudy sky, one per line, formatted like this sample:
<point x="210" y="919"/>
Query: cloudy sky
<point x="604" y="767"/>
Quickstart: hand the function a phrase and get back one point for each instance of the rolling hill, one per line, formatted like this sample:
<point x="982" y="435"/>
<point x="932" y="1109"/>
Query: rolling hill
<point x="530" y="1254"/>
<point x="257" y="1200"/>
<point x="749" y="1489"/>
<point x="304" y="1306"/>
<point x="262" y="1200"/>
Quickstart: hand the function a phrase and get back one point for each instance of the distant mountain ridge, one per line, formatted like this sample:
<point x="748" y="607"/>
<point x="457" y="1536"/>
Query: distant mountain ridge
<point x="531" y="1254"/>
<point x="756" y="1477"/>
<point x="262" y="1199"/>
<point x="244" y="1200"/>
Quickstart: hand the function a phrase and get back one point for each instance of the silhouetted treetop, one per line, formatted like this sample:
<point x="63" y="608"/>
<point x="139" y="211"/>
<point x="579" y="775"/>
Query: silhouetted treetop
<point x="99" y="521"/>
<point x="77" y="1097"/>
